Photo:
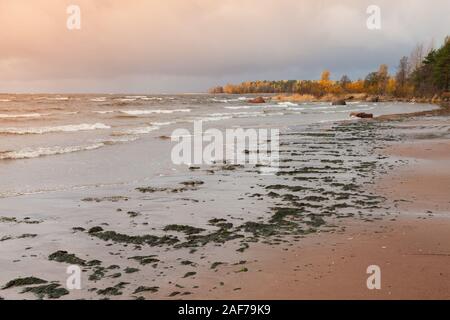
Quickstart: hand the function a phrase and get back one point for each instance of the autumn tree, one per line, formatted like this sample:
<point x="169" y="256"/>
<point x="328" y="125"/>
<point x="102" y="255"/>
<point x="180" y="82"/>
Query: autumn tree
<point x="344" y="82"/>
<point x="382" y="78"/>
<point x="401" y="77"/>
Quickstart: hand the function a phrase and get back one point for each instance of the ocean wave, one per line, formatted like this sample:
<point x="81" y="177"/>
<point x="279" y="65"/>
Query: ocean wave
<point x="125" y="99"/>
<point x="230" y="100"/>
<point x="29" y="153"/>
<point x="296" y="109"/>
<point x="113" y="141"/>
<point x="160" y="124"/>
<point x="144" y="130"/>
<point x="213" y="118"/>
<point x="65" y="128"/>
<point x="56" y="98"/>
<point x="288" y="104"/>
<point x="23" y="115"/>
<point x="239" y="114"/>
<point x="349" y="110"/>
<point x="244" y="107"/>
<point x="231" y="115"/>
<point x="152" y="98"/>
<point x="136" y="131"/>
<point x="145" y="98"/>
<point x="144" y="112"/>
<point x="103" y="111"/>
<point x="100" y="99"/>
<point x="135" y="97"/>
<point x="266" y="106"/>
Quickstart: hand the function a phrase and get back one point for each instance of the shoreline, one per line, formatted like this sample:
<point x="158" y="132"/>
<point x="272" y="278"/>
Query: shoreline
<point x="312" y="204"/>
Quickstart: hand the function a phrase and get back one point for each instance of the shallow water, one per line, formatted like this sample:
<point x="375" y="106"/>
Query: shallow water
<point x="55" y="142"/>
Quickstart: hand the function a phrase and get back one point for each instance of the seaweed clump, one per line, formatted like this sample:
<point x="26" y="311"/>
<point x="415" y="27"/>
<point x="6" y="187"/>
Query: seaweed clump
<point x="51" y="291"/>
<point x="64" y="256"/>
<point x="19" y="282"/>
<point x="183" y="228"/>
<point x="150" y="240"/>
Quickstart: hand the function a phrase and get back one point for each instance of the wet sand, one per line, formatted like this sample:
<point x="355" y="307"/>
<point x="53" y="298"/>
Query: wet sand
<point x="413" y="254"/>
<point x="424" y="186"/>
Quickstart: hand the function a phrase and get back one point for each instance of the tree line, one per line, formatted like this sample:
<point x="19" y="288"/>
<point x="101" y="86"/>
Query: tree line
<point x="424" y="73"/>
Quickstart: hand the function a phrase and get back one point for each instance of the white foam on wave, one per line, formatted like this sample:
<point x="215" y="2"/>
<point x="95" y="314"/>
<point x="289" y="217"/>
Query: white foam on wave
<point x="126" y="99"/>
<point x="28" y="153"/>
<point x="136" y="131"/>
<point x="57" y="98"/>
<point x="135" y="97"/>
<point x="229" y="100"/>
<point x="103" y="111"/>
<point x="100" y="99"/>
<point x="239" y="107"/>
<point x="64" y="128"/>
<point x="144" y="112"/>
<point x="160" y="124"/>
<point x="239" y="114"/>
<point x="261" y="106"/>
<point x="349" y="110"/>
<point x="212" y="118"/>
<point x="23" y="115"/>
<point x="145" y="130"/>
<point x="288" y="104"/>
<point x="151" y="98"/>
<point x="145" y="98"/>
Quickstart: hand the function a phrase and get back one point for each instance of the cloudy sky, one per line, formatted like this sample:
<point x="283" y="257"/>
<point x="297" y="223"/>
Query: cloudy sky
<point x="150" y="46"/>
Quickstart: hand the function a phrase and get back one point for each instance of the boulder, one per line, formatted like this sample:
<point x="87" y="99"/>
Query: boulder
<point x="373" y="99"/>
<point x="338" y="102"/>
<point x="257" y="100"/>
<point x="361" y="115"/>
<point x="445" y="96"/>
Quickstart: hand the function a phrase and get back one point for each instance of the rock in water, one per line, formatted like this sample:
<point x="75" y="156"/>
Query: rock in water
<point x="338" y="102"/>
<point x="257" y="100"/>
<point x="362" y="115"/>
<point x="445" y="96"/>
<point x="373" y="99"/>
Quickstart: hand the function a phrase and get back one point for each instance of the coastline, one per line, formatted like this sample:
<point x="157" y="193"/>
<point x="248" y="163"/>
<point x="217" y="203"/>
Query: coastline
<point x="115" y="232"/>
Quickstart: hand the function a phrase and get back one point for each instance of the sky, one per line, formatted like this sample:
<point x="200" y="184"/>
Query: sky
<point x="177" y="46"/>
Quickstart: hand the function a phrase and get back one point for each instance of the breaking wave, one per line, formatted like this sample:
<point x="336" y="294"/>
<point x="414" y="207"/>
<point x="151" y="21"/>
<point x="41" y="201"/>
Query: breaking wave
<point x="23" y="115"/>
<point x="144" y="112"/>
<point x="65" y="128"/>
<point x="28" y="153"/>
